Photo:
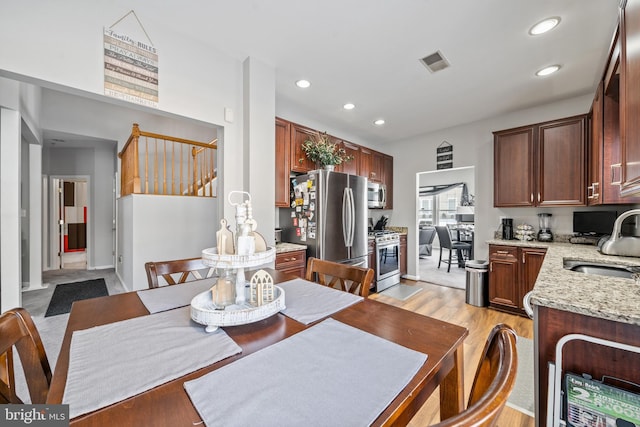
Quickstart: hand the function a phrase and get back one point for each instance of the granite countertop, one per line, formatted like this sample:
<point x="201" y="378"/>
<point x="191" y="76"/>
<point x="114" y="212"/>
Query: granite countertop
<point x="289" y="247"/>
<point x="611" y="298"/>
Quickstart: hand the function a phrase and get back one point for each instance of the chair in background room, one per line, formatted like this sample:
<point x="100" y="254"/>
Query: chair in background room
<point x="348" y="278"/>
<point x="191" y="268"/>
<point x="460" y="248"/>
<point x="425" y="241"/>
<point x="18" y="331"/>
<point x="493" y="382"/>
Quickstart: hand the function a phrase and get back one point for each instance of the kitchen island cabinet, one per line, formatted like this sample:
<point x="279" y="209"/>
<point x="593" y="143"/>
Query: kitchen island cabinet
<point x="566" y="302"/>
<point x="541" y="165"/>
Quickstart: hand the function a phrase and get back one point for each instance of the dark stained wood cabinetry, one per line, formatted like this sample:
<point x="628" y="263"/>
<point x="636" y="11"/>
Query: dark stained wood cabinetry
<point x="581" y="356"/>
<point x="371" y="259"/>
<point x="292" y="262"/>
<point x="403" y="254"/>
<point x="630" y="97"/>
<point x="512" y="273"/>
<point x="353" y="166"/>
<point x="290" y="158"/>
<point x="283" y="162"/>
<point x="541" y="164"/>
<point x="299" y="161"/>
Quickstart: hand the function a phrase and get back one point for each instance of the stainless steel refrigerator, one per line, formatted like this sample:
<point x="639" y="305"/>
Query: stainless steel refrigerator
<point x="328" y="213"/>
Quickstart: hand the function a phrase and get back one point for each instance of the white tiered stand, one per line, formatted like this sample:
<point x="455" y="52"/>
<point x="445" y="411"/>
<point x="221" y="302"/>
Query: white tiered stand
<point x="204" y="312"/>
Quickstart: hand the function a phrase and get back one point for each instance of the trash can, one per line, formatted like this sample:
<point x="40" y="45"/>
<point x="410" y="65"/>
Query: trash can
<point x="477" y="282"/>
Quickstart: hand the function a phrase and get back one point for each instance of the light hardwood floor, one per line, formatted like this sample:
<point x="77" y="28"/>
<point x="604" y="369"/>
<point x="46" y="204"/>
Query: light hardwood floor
<point x="448" y="304"/>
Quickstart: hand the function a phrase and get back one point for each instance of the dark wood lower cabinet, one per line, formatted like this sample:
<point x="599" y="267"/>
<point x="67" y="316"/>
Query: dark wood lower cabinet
<point x="580" y="356"/>
<point x="403" y="254"/>
<point x="371" y="254"/>
<point x="293" y="262"/>
<point x="512" y="273"/>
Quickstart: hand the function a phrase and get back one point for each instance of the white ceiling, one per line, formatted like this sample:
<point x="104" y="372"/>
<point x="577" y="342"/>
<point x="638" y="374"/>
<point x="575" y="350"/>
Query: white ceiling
<point x="367" y="52"/>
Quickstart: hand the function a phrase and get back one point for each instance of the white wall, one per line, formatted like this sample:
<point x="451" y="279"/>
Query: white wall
<point x="62" y="48"/>
<point x="472" y="146"/>
<point x="156" y="228"/>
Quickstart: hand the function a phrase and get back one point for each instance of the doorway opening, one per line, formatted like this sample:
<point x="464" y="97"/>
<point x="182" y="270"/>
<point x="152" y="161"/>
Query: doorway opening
<point x="444" y="198"/>
<point x="69" y="198"/>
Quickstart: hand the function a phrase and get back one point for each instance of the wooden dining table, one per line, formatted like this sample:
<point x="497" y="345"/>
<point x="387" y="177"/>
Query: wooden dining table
<point x="169" y="404"/>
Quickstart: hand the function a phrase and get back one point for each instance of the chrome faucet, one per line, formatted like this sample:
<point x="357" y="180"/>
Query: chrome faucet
<point x="618" y="244"/>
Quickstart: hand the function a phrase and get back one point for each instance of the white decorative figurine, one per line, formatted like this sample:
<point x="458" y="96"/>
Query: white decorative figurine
<point x="261" y="288"/>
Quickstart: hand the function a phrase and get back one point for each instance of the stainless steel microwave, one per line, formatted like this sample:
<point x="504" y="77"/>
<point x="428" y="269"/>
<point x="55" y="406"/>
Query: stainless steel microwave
<point x="376" y="195"/>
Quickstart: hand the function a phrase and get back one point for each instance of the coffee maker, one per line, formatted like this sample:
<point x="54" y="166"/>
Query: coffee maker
<point x="507" y="228"/>
<point x="544" y="221"/>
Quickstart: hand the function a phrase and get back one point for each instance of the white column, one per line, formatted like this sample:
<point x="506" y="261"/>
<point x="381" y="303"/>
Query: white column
<point x="259" y="142"/>
<point x="35" y="216"/>
<point x="10" y="280"/>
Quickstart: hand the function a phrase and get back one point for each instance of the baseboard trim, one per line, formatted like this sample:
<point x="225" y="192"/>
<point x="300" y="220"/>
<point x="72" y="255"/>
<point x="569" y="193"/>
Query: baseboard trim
<point x="410" y="277"/>
<point x="122" y="282"/>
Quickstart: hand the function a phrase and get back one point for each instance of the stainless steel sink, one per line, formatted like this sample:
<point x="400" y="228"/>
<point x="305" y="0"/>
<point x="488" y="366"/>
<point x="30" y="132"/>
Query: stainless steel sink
<point x="603" y="269"/>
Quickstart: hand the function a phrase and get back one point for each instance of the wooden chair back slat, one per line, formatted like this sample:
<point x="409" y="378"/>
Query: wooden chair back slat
<point x="348" y="278"/>
<point x="188" y="270"/>
<point x="493" y="382"/>
<point x="18" y="331"/>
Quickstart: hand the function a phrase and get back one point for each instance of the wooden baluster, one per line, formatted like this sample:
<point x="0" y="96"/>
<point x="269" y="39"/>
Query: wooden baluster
<point x="155" y="166"/>
<point x="164" y="171"/>
<point x="181" y="188"/>
<point x="188" y="173"/>
<point x="195" y="170"/>
<point x="173" y="168"/>
<point x="202" y="171"/>
<point x="213" y="169"/>
<point x="146" y="165"/>
<point x="136" y="169"/>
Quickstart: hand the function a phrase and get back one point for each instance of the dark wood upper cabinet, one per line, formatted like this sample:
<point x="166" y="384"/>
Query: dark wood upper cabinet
<point x="630" y="97"/>
<point x="561" y="163"/>
<point x="541" y="164"/>
<point x="299" y="161"/>
<point x="283" y="146"/>
<point x="387" y="178"/>
<point x="514" y="167"/>
<point x="353" y="166"/>
<point x="366" y="161"/>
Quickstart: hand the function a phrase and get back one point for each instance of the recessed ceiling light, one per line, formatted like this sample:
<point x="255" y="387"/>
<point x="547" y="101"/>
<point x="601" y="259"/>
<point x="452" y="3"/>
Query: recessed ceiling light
<point x="379" y="122"/>
<point x="303" y="83"/>
<point x="548" y="70"/>
<point x="349" y="106"/>
<point x="544" y="26"/>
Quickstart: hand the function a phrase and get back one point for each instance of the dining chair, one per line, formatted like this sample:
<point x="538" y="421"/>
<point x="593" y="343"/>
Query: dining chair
<point x="18" y="331"/>
<point x="460" y="248"/>
<point x="191" y="268"/>
<point x="493" y="382"/>
<point x="425" y="240"/>
<point x="348" y="278"/>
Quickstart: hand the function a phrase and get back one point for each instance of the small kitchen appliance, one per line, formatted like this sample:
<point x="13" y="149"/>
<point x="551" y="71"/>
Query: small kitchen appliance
<point x="544" y="222"/>
<point x="507" y="228"/>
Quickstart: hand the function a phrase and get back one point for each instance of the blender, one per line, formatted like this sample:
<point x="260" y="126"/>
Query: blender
<point x="544" y="221"/>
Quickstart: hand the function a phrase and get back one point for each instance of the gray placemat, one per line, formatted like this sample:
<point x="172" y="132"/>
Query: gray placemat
<point x="307" y="302"/>
<point x="328" y="375"/>
<point x="112" y="362"/>
<point x="174" y="296"/>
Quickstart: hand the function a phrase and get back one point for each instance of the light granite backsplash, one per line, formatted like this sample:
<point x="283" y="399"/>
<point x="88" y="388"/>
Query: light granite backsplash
<point x="605" y="297"/>
<point x="402" y="230"/>
<point x="558" y="238"/>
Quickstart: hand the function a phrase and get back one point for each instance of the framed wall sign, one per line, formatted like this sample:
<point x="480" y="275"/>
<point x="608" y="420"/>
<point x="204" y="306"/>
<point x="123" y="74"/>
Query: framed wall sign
<point x="444" y="156"/>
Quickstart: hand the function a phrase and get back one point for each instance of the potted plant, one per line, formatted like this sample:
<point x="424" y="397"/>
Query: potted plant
<point x="323" y="152"/>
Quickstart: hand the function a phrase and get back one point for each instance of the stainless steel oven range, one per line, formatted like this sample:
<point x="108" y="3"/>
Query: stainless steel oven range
<point x="387" y="259"/>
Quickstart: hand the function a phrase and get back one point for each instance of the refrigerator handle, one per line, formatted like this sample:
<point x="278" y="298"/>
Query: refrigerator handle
<point x="352" y="217"/>
<point x="345" y="216"/>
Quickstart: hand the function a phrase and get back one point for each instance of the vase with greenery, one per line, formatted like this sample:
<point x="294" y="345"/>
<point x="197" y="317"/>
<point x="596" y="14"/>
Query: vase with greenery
<point x="322" y="151"/>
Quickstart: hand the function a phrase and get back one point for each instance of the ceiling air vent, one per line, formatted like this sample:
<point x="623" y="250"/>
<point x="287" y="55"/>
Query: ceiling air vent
<point x="435" y="62"/>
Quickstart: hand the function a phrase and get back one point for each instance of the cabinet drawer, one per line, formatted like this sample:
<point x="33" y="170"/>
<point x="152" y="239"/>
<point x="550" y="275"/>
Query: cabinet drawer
<point x="293" y="259"/>
<point x="503" y="252"/>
